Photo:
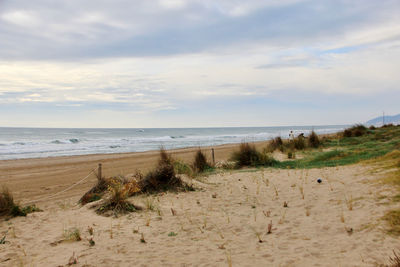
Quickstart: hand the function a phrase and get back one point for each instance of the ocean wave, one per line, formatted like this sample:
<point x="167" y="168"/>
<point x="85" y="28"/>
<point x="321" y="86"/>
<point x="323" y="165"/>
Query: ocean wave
<point x="177" y="137"/>
<point x="57" y="142"/>
<point x="19" y="143"/>
<point x="74" y="140"/>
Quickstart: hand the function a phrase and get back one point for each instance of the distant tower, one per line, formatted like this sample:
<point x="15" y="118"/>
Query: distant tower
<point x="383" y="118"/>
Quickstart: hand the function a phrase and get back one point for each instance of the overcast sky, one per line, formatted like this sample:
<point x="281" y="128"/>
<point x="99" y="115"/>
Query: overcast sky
<point x="196" y="63"/>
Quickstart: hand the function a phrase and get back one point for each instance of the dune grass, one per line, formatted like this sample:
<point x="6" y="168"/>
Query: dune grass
<point x="249" y="156"/>
<point x="8" y="208"/>
<point x="340" y="151"/>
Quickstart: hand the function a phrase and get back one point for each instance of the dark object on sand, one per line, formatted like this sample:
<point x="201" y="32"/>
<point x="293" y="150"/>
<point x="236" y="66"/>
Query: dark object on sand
<point x="319" y="180"/>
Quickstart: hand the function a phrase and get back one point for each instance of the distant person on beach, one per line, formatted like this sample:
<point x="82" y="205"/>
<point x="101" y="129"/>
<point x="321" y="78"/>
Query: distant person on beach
<point x="291" y="136"/>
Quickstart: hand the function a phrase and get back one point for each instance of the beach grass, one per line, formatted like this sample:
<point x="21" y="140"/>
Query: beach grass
<point x="341" y="150"/>
<point x="8" y="207"/>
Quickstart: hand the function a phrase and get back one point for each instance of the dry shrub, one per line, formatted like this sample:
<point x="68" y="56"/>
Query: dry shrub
<point x="96" y="192"/>
<point x="246" y="156"/>
<point x="313" y="140"/>
<point x="249" y="156"/>
<point x="355" y="131"/>
<point x="6" y="202"/>
<point x="163" y="177"/>
<point x="394" y="261"/>
<point x="200" y="163"/>
<point x="103" y="184"/>
<point x="9" y="208"/>
<point x="117" y="201"/>
<point x="299" y="143"/>
<point x="276" y="143"/>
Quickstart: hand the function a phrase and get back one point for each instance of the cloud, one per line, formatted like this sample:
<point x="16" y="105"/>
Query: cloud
<point x="98" y="29"/>
<point x="162" y="58"/>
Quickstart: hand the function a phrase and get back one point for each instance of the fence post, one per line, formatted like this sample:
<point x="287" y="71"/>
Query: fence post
<point x="99" y="174"/>
<point x="213" y="156"/>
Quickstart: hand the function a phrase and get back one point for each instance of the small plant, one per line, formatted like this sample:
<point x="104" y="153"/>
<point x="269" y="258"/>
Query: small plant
<point x="149" y="204"/>
<point x="313" y="140"/>
<point x="229" y="258"/>
<point x="174" y="213"/>
<point x="291" y="154"/>
<point x="72" y="234"/>
<point x="395" y="260"/>
<point x="269" y="231"/>
<point x="349" y="202"/>
<point x="73" y="259"/>
<point x="142" y="240"/>
<point x="90" y="230"/>
<point x="307" y="211"/>
<point x="258" y="235"/>
<point x="276" y="190"/>
<point x="3" y="240"/>
<point x="172" y="234"/>
<point x="267" y="213"/>
<point x="301" y="188"/>
<point x="200" y="163"/>
<point x="275" y="144"/>
<point x="342" y="216"/>
<point x="282" y="219"/>
<point x="285" y="204"/>
<point x="91" y="242"/>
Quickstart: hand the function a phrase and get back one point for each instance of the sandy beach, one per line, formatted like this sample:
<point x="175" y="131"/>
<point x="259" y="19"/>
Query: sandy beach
<point x="223" y="223"/>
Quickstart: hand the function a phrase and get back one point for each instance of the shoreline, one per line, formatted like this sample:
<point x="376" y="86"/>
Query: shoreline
<point x="46" y="176"/>
<point x="34" y="178"/>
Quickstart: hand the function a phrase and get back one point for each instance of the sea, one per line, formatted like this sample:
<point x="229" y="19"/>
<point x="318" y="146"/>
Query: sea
<point x="20" y="143"/>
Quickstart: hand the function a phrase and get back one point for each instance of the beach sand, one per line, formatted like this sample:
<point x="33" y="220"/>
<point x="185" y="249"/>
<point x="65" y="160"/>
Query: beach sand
<point x="338" y="223"/>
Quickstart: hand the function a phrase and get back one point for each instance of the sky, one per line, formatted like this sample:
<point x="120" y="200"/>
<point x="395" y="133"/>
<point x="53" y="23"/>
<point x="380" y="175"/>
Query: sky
<point x="197" y="63"/>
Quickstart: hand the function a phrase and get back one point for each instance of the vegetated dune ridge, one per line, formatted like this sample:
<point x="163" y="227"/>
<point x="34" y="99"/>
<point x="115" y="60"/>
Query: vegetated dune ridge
<point x="336" y="224"/>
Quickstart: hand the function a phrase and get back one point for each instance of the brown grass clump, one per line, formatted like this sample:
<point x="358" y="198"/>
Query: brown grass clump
<point x="96" y="192"/>
<point x="394" y="261"/>
<point x="313" y="140"/>
<point x="355" y="131"/>
<point x="300" y="143"/>
<point x="276" y="143"/>
<point x="163" y="177"/>
<point x="117" y="201"/>
<point x="6" y="202"/>
<point x="9" y="208"/>
<point x="103" y="184"/>
<point x="249" y="156"/>
<point x="200" y="163"/>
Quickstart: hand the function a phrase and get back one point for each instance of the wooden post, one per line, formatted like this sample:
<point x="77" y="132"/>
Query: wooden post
<point x="99" y="172"/>
<point x="213" y="156"/>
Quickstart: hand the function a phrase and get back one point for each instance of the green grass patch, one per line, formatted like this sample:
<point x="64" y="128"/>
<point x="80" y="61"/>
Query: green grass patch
<point x="350" y="150"/>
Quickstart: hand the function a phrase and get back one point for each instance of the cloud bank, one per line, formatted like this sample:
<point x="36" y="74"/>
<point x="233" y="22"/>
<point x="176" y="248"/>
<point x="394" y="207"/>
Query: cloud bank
<point x="175" y="63"/>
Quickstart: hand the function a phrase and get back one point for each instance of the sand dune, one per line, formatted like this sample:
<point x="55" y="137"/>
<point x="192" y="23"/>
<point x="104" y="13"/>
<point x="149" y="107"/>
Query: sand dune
<point x="219" y="224"/>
